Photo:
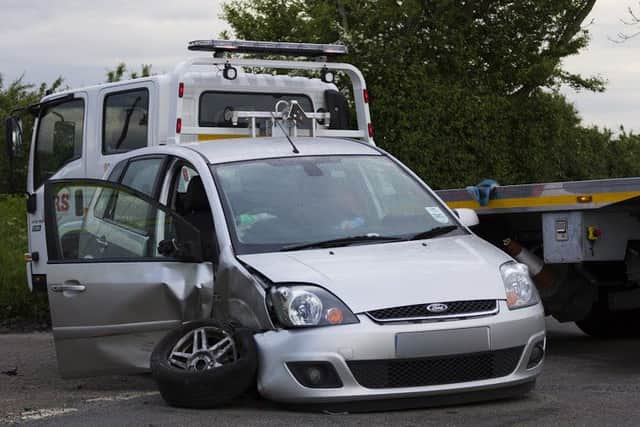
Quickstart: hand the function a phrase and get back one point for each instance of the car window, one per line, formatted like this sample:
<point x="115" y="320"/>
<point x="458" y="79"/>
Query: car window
<point x="142" y="174"/>
<point x="119" y="225"/>
<point x="59" y="138"/>
<point x="116" y="173"/>
<point x="275" y="203"/>
<point x="125" y="121"/>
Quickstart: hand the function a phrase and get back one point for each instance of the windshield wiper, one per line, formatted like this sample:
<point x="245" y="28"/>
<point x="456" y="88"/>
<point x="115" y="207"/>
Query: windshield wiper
<point x="436" y="231"/>
<point x="342" y="241"/>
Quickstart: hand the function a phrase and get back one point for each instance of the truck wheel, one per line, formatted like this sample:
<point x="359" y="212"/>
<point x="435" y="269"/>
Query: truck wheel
<point x="203" y="365"/>
<point x="603" y="323"/>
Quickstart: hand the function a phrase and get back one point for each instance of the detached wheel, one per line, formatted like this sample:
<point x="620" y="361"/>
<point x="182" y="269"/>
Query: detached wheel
<point x="203" y="365"/>
<point x="603" y="323"/>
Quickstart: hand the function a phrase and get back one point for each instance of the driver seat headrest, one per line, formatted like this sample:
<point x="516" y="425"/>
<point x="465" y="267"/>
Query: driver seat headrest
<point x="196" y="196"/>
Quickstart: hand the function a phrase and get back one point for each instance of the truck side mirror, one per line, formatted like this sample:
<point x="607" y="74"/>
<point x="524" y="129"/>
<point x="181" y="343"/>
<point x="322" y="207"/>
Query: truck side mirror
<point x="13" y="139"/>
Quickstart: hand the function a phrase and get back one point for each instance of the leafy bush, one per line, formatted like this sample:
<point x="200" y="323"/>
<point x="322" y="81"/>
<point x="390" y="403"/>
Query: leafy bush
<point x="17" y="303"/>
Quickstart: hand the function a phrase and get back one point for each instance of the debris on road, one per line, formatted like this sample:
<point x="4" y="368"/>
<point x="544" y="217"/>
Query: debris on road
<point x="11" y="372"/>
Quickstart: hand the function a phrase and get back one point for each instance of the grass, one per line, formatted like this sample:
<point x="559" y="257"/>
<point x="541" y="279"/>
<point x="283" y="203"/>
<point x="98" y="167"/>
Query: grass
<point x="18" y="305"/>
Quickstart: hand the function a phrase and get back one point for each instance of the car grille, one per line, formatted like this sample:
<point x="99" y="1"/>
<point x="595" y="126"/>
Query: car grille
<point x="419" y="311"/>
<point x="390" y="373"/>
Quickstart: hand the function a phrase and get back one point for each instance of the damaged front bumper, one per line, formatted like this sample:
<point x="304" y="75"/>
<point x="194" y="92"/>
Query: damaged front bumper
<point x="369" y="364"/>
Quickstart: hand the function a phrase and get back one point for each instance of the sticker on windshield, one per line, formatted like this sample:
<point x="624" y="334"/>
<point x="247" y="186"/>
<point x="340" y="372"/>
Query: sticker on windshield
<point x="437" y="214"/>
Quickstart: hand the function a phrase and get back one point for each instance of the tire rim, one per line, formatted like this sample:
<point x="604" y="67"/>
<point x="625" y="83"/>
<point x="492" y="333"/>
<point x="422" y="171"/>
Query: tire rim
<point x="202" y="349"/>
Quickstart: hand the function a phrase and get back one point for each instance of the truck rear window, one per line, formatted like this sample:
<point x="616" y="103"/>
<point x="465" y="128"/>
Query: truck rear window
<point x="214" y="105"/>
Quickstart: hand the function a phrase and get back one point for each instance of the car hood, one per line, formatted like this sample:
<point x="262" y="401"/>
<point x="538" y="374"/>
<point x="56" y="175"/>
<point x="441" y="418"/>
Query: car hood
<point x="373" y="276"/>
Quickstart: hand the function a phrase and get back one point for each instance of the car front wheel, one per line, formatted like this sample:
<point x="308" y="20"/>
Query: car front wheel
<point x="202" y="364"/>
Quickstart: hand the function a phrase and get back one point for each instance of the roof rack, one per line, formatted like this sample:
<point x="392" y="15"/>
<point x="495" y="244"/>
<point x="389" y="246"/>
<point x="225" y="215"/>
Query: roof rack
<point x="219" y="47"/>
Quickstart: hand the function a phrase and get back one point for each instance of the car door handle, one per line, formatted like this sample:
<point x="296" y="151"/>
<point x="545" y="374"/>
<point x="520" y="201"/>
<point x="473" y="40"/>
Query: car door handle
<point x="70" y="286"/>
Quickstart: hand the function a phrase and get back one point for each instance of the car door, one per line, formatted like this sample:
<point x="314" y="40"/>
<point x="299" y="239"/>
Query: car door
<point x="119" y="277"/>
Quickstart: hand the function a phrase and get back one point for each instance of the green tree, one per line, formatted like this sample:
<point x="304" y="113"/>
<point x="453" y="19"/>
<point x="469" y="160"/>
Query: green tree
<point x="502" y="47"/>
<point x="118" y="73"/>
<point x="461" y="90"/>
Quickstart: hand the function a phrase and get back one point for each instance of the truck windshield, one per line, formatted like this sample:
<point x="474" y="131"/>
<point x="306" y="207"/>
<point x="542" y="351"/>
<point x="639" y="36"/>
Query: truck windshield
<point x="277" y="204"/>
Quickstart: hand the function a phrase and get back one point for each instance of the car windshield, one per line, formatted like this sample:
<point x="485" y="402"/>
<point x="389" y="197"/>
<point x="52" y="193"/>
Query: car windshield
<point x="278" y="204"/>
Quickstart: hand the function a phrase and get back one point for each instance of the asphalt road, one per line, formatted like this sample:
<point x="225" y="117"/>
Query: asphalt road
<point x="585" y="382"/>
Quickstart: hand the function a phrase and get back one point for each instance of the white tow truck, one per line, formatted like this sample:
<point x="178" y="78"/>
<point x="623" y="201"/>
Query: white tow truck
<point x="83" y="132"/>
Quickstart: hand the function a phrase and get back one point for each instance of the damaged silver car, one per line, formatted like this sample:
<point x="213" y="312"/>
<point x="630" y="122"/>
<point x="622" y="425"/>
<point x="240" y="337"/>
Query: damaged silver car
<point x="356" y="281"/>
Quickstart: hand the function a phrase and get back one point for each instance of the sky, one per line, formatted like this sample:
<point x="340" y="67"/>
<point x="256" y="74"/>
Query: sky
<point x="80" y="40"/>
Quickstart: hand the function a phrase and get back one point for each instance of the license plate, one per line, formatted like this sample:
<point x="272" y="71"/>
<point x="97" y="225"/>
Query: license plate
<point x="439" y="343"/>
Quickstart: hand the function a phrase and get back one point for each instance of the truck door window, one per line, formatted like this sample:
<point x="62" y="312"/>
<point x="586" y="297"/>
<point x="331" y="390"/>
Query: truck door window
<point x="215" y="107"/>
<point x="125" y="121"/>
<point x="142" y="175"/>
<point x="59" y="138"/>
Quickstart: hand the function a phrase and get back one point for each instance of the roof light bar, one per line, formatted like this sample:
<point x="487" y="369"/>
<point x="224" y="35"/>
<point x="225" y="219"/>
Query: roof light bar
<point x="277" y="48"/>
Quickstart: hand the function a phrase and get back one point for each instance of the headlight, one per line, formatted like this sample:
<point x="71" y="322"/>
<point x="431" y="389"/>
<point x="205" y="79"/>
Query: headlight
<point x="303" y="305"/>
<point x="521" y="292"/>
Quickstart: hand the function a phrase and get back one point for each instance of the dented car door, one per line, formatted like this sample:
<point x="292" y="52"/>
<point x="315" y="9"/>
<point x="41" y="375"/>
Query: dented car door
<point x="120" y="277"/>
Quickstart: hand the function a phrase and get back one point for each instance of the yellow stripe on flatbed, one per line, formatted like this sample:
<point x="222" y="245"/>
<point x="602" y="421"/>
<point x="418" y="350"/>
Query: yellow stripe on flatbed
<point x="539" y="201"/>
<point x="210" y="137"/>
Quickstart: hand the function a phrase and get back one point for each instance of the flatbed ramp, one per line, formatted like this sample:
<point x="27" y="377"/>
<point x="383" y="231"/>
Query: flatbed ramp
<point x="546" y="197"/>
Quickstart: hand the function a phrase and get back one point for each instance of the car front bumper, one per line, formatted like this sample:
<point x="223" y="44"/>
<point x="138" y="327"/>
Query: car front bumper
<point x="368" y="341"/>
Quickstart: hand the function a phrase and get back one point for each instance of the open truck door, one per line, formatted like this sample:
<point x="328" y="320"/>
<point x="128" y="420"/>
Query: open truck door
<point x="119" y="276"/>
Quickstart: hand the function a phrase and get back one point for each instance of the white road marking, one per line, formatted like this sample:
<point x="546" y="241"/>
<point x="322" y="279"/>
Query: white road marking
<point x="38" y="414"/>
<point x="122" y="396"/>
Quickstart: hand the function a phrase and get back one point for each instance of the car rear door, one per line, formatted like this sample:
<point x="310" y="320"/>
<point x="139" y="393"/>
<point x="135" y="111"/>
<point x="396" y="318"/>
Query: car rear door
<point x="119" y="277"/>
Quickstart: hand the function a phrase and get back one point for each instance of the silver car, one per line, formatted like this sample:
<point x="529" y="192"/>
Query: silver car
<point x="359" y="282"/>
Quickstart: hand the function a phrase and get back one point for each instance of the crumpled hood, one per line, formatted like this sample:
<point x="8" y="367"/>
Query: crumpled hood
<point x="369" y="277"/>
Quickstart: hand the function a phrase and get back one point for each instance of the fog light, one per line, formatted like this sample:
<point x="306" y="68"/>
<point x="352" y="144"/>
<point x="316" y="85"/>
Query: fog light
<point x="315" y="374"/>
<point x="537" y="354"/>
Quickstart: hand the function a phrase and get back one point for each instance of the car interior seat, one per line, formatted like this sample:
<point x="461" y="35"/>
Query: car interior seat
<point x="197" y="212"/>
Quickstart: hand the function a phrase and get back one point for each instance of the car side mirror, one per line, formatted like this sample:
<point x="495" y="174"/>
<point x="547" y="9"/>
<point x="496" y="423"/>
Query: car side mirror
<point x="468" y="217"/>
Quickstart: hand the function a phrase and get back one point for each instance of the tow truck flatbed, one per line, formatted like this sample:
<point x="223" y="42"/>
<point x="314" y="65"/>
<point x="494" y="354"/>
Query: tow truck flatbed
<point x="548" y="197"/>
<point x="580" y="240"/>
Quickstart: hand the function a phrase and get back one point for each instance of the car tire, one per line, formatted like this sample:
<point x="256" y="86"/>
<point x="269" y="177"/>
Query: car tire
<point x="603" y="323"/>
<point x="208" y="387"/>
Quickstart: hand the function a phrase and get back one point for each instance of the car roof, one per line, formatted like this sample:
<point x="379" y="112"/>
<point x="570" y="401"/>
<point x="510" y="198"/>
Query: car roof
<point x="239" y="149"/>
